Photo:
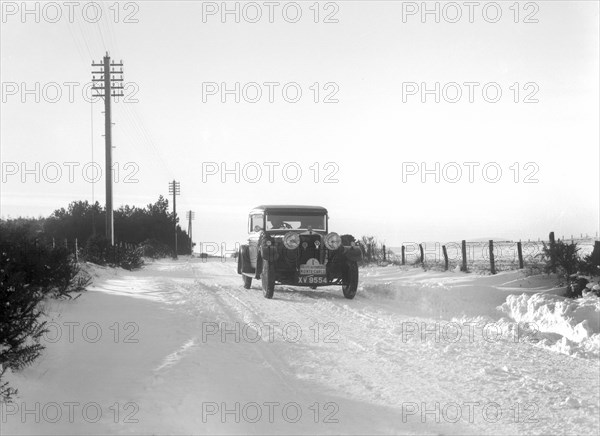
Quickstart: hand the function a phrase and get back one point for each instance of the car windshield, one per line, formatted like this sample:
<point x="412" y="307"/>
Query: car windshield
<point x="295" y="222"/>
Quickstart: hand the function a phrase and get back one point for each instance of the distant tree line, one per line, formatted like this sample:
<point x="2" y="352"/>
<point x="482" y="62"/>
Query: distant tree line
<point x="152" y="225"/>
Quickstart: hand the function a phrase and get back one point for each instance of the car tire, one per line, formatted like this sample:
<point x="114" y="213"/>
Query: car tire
<point x="247" y="281"/>
<point x="268" y="279"/>
<point x="351" y="278"/>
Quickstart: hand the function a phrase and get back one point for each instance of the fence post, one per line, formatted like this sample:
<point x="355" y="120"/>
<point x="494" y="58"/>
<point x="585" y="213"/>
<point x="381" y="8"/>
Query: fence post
<point x="464" y="255"/>
<point x="492" y="263"/>
<point x="422" y="254"/>
<point x="53" y="245"/>
<point x="520" y="253"/>
<point x="76" y="255"/>
<point x="445" y="257"/>
<point x="552" y="252"/>
<point x="596" y="254"/>
<point x="384" y="253"/>
<point x="403" y="258"/>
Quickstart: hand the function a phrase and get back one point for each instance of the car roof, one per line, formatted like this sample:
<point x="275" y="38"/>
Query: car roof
<point x="289" y="209"/>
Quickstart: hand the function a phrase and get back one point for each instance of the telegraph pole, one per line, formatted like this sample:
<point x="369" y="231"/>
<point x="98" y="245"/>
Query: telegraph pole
<point x="105" y="90"/>
<point x="191" y="215"/>
<point x="175" y="189"/>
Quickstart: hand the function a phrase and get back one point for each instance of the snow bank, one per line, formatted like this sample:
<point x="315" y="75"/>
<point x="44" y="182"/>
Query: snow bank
<point x="576" y="321"/>
<point x="449" y="294"/>
<point x="557" y="323"/>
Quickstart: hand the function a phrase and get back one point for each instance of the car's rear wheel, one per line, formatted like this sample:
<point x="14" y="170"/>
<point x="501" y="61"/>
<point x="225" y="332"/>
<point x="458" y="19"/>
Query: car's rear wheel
<point x="268" y="278"/>
<point x="247" y="281"/>
<point x="351" y="279"/>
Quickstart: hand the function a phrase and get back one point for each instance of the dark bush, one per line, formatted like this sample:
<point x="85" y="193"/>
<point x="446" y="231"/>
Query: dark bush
<point x="372" y="250"/>
<point x="590" y="264"/>
<point x="561" y="258"/>
<point x="155" y="249"/>
<point x="130" y="258"/>
<point x="21" y="328"/>
<point x="576" y="271"/>
<point x="28" y="274"/>
<point x="53" y="270"/>
<point x="98" y="250"/>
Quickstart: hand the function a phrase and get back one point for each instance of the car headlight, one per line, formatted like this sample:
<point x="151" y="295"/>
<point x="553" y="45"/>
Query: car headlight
<point x="291" y="240"/>
<point x="333" y="241"/>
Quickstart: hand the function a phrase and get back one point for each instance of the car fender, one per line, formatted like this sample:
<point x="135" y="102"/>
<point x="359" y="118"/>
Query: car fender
<point x="246" y="266"/>
<point x="353" y="253"/>
<point x="269" y="253"/>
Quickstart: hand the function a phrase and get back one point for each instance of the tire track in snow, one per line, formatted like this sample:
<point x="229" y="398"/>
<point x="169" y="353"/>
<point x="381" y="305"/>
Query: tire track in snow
<point x="385" y="370"/>
<point x="375" y="359"/>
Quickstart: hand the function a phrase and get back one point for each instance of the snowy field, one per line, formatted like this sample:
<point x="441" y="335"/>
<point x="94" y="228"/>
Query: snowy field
<point x="180" y="347"/>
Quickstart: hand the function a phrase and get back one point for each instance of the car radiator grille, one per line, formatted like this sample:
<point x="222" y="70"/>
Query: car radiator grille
<point x="308" y="248"/>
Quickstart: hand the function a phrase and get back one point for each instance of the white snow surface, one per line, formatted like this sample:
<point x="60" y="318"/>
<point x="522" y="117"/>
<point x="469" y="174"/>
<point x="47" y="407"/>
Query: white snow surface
<point x="567" y="325"/>
<point x="180" y="347"/>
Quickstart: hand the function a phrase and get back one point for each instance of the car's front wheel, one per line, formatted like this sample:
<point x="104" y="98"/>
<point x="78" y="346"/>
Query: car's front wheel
<point x="247" y="281"/>
<point x="268" y="278"/>
<point x="351" y="279"/>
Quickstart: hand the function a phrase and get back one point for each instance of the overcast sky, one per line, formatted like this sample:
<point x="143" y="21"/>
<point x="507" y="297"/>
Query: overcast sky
<point x="363" y="141"/>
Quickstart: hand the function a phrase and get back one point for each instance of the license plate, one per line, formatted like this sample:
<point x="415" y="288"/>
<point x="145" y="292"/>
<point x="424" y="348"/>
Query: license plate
<point x="312" y="280"/>
<point x="312" y="270"/>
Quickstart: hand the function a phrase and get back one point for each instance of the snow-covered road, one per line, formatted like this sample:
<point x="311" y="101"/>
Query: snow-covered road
<point x="186" y="349"/>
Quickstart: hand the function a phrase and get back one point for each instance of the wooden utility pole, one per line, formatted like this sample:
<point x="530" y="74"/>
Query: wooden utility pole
<point x="191" y="215"/>
<point x="174" y="189"/>
<point x="106" y="91"/>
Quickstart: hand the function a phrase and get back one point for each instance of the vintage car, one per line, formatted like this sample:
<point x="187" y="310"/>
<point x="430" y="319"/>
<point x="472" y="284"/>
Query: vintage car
<point x="292" y="245"/>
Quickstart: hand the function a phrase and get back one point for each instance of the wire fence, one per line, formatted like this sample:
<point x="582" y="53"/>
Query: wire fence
<point x="481" y="256"/>
<point x="117" y="251"/>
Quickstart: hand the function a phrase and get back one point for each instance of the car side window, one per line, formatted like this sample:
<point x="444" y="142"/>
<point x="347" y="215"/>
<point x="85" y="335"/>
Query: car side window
<point x="256" y="223"/>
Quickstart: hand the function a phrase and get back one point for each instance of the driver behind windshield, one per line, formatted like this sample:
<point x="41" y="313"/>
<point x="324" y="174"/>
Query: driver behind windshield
<point x="277" y="223"/>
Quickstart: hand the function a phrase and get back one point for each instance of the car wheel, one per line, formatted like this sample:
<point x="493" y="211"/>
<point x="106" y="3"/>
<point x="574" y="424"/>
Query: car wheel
<point x="268" y="279"/>
<point x="247" y="281"/>
<point x="351" y="273"/>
